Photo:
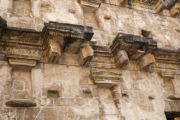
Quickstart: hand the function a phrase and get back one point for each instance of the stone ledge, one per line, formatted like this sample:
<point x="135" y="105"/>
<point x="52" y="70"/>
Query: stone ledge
<point x="21" y="103"/>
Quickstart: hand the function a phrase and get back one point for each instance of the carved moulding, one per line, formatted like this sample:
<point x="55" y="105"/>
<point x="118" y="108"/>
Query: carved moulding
<point x="105" y="78"/>
<point x="175" y="10"/>
<point x="62" y="38"/>
<point x="127" y="47"/>
<point x="90" y="3"/>
<point x="167" y="63"/>
<point x="22" y="46"/>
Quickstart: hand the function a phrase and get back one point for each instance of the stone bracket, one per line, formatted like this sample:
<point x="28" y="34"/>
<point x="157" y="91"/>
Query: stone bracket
<point x="175" y="10"/>
<point x="62" y="37"/>
<point x="86" y="54"/>
<point x="133" y="47"/>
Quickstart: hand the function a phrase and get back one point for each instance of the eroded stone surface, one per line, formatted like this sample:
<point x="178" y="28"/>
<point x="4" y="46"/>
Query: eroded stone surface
<point x="65" y="72"/>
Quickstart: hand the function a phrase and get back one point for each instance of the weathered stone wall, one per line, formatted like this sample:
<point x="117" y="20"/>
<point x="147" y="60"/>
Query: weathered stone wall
<point x="66" y="91"/>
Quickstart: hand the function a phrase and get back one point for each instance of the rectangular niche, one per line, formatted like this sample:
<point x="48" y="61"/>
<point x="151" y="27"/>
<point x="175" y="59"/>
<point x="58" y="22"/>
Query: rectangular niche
<point x="21" y="8"/>
<point x="90" y="18"/>
<point x="52" y="94"/>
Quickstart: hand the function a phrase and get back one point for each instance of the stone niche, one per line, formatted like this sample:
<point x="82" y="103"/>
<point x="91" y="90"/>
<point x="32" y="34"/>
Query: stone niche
<point x="90" y="8"/>
<point x="21" y="8"/>
<point x="21" y="89"/>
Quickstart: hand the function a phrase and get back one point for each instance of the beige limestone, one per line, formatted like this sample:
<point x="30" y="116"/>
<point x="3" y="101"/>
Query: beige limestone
<point x="66" y="91"/>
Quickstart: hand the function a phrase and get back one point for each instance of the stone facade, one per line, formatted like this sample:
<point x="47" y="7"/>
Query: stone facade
<point x="89" y="60"/>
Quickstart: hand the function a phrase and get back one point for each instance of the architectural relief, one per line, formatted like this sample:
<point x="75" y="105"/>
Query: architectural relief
<point x="89" y="60"/>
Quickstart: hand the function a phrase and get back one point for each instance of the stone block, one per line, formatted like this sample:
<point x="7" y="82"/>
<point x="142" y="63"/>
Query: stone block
<point x="175" y="10"/>
<point x="87" y="51"/>
<point x="86" y="54"/>
<point x="54" y="51"/>
<point x="90" y="3"/>
<point x="21" y="103"/>
<point x="121" y="58"/>
<point x="23" y="62"/>
<point x="18" y="85"/>
<point x="158" y="7"/>
<point x="147" y="60"/>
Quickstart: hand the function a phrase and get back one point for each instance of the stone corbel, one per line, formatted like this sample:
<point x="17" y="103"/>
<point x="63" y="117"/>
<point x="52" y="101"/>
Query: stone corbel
<point x="175" y="10"/>
<point x="3" y="25"/>
<point x="86" y="54"/>
<point x="127" y="47"/>
<point x="121" y="58"/>
<point x="53" y="52"/>
<point x="62" y="38"/>
<point x="147" y="60"/>
<point x="166" y="59"/>
<point x="90" y="3"/>
<point x="158" y="7"/>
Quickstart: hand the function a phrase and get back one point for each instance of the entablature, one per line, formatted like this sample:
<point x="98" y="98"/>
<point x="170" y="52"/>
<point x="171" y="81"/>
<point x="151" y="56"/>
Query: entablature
<point x="27" y="46"/>
<point x="162" y="7"/>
